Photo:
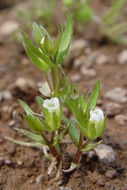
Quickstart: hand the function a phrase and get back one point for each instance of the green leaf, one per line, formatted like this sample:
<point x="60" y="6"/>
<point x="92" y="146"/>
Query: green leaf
<point x="90" y="146"/>
<point x="46" y="33"/>
<point x="113" y="11"/>
<point x="39" y="63"/>
<point x="100" y="127"/>
<point x="72" y="131"/>
<point x="74" y="134"/>
<point x="58" y="137"/>
<point x="36" y="51"/>
<point x="29" y="144"/>
<point x="37" y="34"/>
<point x="34" y="123"/>
<point x="94" y="96"/>
<point x="47" y="126"/>
<point x="57" y="40"/>
<point x="27" y="109"/>
<point x="40" y="101"/>
<point x="65" y="41"/>
<point x="90" y="132"/>
<point x="33" y="136"/>
<point x="56" y="122"/>
<point x="45" y="90"/>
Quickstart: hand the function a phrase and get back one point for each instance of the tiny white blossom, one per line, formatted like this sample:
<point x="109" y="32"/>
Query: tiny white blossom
<point x="52" y="104"/>
<point x="42" y="40"/>
<point x="96" y="115"/>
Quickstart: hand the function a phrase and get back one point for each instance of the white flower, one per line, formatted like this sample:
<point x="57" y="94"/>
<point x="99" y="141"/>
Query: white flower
<point x="42" y="40"/>
<point x="52" y="104"/>
<point x="96" y="115"/>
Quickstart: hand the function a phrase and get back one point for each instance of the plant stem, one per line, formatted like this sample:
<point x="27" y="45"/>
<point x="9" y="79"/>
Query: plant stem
<point x="48" y="81"/>
<point x="51" y="148"/>
<point x="79" y="152"/>
<point x="54" y="76"/>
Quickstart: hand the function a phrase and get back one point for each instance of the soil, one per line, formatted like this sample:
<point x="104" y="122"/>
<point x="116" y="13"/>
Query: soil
<point x="22" y="167"/>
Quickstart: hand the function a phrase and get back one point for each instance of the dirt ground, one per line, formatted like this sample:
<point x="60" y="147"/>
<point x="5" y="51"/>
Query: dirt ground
<point x="24" y="168"/>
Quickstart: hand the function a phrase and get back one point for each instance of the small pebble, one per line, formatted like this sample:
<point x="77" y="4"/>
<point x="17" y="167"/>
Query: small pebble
<point x="65" y="188"/>
<point x="76" y="78"/>
<point x="6" y="95"/>
<point x="117" y="94"/>
<point x="12" y="123"/>
<point x="89" y="73"/>
<point x="122" y="58"/>
<point x="101" y="59"/>
<point x="24" y="83"/>
<point x="112" y="174"/>
<point x="105" y="153"/>
<point x="112" y="109"/>
<point x="121" y="119"/>
<point x="8" y="27"/>
<point x="19" y="163"/>
<point x="101" y="182"/>
<point x="7" y="162"/>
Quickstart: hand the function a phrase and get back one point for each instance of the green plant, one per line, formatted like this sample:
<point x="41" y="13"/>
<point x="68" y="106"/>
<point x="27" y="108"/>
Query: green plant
<point x="87" y="122"/>
<point x="111" y="27"/>
<point x="43" y="10"/>
<point x="80" y="10"/>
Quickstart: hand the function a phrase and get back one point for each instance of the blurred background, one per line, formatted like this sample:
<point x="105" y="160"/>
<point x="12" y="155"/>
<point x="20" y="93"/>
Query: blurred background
<point x="98" y="52"/>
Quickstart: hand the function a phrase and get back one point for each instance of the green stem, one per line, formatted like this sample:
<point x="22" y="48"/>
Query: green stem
<point x="48" y="80"/>
<point x="54" y="76"/>
<point x="79" y="152"/>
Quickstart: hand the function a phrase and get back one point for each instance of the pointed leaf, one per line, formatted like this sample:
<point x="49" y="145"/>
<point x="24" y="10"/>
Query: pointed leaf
<point x="40" y="64"/>
<point x="90" y="146"/>
<point x="40" y="101"/>
<point x="36" y="51"/>
<point x="34" y="123"/>
<point x="72" y="131"/>
<point x="65" y="40"/>
<point x="29" y="144"/>
<point x="37" y="33"/>
<point x="94" y="96"/>
<point x="27" y="109"/>
<point x="33" y="136"/>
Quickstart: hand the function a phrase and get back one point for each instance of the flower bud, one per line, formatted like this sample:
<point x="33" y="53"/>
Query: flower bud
<point x="53" y="113"/>
<point x="96" y="115"/>
<point x="96" y="124"/>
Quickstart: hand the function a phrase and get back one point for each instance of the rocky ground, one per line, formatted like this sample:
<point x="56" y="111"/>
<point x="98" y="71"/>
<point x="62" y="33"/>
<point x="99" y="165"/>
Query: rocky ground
<point x="24" y="168"/>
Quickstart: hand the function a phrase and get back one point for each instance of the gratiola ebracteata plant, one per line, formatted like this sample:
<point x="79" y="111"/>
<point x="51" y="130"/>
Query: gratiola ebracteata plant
<point x="87" y="121"/>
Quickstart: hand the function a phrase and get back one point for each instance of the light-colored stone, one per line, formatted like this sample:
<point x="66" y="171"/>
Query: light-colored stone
<point x="88" y="72"/>
<point x="76" y="48"/>
<point x="65" y="188"/>
<point x="105" y="153"/>
<point x="6" y="95"/>
<point x="101" y="59"/>
<point x="79" y="62"/>
<point x="24" y="83"/>
<point x="8" y="27"/>
<point x="121" y="119"/>
<point x="76" y="78"/>
<point x="122" y="58"/>
<point x="112" y="108"/>
<point x="111" y="174"/>
<point x="117" y="94"/>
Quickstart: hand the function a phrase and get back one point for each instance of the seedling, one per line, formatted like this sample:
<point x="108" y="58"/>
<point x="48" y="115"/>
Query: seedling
<point x="87" y="121"/>
<point x="81" y="12"/>
<point x="110" y="26"/>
